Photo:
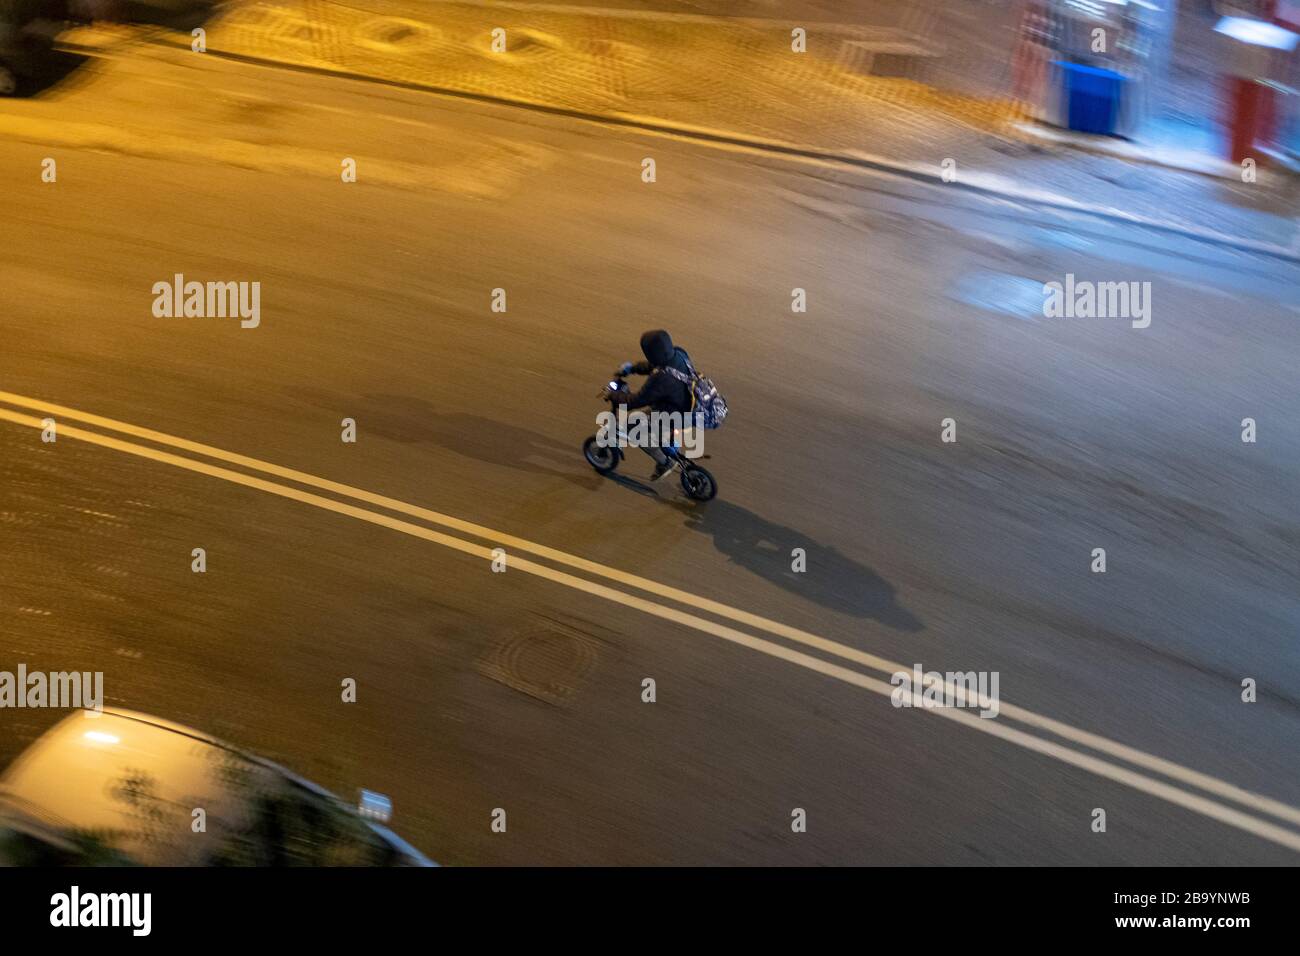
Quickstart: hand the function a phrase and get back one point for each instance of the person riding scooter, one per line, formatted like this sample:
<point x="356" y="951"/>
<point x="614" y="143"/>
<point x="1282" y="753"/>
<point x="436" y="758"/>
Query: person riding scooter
<point x="662" y="392"/>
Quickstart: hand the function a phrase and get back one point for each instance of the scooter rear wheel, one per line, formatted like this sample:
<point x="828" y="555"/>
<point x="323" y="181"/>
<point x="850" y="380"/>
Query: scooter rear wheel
<point x="698" y="483"/>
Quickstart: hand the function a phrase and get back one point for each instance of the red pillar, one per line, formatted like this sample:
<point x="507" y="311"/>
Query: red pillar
<point x="1250" y="116"/>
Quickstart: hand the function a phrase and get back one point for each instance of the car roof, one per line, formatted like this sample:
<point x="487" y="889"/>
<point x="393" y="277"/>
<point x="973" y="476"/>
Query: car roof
<point x="136" y="780"/>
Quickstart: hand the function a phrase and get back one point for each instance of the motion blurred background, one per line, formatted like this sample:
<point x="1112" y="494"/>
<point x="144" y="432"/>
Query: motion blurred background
<point x="851" y="215"/>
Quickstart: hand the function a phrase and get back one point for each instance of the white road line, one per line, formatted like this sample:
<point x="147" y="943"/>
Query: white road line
<point x="1172" y="794"/>
<point x="1150" y="762"/>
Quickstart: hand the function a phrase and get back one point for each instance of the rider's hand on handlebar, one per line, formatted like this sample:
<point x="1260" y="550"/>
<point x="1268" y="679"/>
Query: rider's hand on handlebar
<point x="624" y="369"/>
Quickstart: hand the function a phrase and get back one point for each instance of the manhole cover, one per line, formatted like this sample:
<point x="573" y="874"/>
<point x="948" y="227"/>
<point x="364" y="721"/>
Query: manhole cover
<point x="395" y="34"/>
<point x="549" y="660"/>
<point x="523" y="43"/>
<point x="624" y="54"/>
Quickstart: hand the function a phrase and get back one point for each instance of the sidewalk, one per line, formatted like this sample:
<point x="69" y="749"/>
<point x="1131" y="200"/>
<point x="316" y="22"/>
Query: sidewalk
<point x="739" y="78"/>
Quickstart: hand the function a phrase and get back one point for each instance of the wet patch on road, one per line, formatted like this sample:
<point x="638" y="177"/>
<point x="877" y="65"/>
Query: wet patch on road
<point x="1000" y="292"/>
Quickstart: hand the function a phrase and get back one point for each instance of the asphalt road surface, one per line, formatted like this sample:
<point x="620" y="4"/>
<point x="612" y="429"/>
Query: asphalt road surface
<point x="522" y="690"/>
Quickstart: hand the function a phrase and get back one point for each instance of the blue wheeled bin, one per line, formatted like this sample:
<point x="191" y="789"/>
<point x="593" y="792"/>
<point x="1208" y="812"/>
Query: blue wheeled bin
<point x="1090" y="97"/>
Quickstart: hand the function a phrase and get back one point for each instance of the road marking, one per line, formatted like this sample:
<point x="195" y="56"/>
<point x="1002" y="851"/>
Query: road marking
<point x="886" y="667"/>
<point x="1131" y="778"/>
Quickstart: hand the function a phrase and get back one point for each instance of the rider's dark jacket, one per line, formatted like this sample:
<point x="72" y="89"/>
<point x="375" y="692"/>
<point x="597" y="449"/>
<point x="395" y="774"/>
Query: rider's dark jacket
<point x="661" y="391"/>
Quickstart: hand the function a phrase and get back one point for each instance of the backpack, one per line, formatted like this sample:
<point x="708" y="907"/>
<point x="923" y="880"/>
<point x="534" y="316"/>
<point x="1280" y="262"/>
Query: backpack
<point x="705" y="398"/>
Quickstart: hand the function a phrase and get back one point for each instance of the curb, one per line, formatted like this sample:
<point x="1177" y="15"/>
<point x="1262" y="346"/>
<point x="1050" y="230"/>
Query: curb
<point x="1199" y="164"/>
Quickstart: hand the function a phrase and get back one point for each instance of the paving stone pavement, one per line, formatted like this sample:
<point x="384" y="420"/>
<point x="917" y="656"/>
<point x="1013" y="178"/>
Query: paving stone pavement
<point x="737" y="76"/>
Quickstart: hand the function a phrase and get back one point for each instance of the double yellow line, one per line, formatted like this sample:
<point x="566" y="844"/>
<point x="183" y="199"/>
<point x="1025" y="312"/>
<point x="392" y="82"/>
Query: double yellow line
<point x="1143" y="770"/>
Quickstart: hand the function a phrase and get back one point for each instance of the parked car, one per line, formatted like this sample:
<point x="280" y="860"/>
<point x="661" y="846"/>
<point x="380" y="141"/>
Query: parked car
<point x="29" y="28"/>
<point x="120" y="788"/>
<point x="27" y="32"/>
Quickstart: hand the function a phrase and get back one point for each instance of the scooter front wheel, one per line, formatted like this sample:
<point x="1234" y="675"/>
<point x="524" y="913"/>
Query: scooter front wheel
<point x="603" y="459"/>
<point x="698" y="483"/>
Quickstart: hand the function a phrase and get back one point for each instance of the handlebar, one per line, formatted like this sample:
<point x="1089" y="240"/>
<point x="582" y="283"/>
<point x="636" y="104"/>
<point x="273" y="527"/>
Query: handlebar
<point x="617" y="386"/>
